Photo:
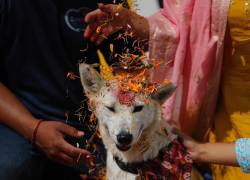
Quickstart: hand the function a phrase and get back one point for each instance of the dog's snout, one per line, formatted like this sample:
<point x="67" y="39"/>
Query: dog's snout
<point x="124" y="138"/>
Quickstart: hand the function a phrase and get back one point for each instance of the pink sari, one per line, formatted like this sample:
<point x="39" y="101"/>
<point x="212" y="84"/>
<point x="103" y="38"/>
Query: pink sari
<point x="188" y="35"/>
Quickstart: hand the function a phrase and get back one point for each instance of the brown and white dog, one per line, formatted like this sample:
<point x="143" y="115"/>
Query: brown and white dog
<point x="132" y="133"/>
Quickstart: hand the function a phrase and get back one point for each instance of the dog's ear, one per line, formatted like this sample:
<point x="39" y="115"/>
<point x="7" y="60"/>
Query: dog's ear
<point x="90" y="79"/>
<point x="163" y="92"/>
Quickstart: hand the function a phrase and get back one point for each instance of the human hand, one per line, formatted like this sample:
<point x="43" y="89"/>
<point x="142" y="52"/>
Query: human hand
<point x="50" y="139"/>
<point x="216" y="153"/>
<point x="193" y="147"/>
<point x="104" y="21"/>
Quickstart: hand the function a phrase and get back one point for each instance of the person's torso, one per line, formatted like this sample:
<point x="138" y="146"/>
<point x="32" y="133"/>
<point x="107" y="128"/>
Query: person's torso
<point x="40" y="44"/>
<point x="234" y="104"/>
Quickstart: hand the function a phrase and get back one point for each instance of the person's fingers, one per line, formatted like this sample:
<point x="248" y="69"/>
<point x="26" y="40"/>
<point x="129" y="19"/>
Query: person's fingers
<point x="100" y="5"/>
<point x="108" y="8"/>
<point x="100" y="39"/>
<point x="88" y="31"/>
<point x="92" y="16"/>
<point x="94" y="28"/>
<point x="96" y="16"/>
<point x="92" y="34"/>
<point x="64" y="159"/>
<point x="188" y="141"/>
<point x="107" y="30"/>
<point x="71" y="131"/>
<point x="94" y="37"/>
<point x="72" y="151"/>
<point x="90" y="160"/>
<point x="87" y="159"/>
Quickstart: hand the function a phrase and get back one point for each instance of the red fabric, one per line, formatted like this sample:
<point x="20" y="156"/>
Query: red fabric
<point x="173" y="163"/>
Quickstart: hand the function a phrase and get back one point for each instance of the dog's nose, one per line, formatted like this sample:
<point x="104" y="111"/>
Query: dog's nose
<point x="124" y="138"/>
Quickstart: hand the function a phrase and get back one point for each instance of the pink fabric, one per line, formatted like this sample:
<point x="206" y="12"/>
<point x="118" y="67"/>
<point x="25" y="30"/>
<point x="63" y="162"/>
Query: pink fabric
<point x="188" y="36"/>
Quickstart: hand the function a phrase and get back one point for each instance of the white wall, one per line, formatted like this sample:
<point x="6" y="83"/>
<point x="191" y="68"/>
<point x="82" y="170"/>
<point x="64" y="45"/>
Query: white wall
<point x="147" y="7"/>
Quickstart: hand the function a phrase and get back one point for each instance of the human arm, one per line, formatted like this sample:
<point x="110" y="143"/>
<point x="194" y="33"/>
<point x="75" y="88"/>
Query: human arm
<point x="217" y="153"/>
<point x="14" y="114"/>
<point x="108" y="19"/>
<point x="231" y="154"/>
<point x="50" y="135"/>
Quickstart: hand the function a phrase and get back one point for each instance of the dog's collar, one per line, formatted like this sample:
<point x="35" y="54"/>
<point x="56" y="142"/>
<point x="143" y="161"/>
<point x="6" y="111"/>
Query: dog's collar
<point x="138" y="167"/>
<point x="172" y="161"/>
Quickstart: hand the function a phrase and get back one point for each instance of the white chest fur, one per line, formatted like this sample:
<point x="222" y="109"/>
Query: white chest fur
<point x="115" y="173"/>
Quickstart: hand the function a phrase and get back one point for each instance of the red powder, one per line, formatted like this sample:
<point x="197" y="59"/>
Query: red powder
<point x="126" y="98"/>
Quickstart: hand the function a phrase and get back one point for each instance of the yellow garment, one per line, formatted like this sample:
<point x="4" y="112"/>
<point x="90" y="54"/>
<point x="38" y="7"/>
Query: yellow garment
<point x="233" y="113"/>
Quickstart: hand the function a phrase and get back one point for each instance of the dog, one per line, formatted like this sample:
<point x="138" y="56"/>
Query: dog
<point x="132" y="127"/>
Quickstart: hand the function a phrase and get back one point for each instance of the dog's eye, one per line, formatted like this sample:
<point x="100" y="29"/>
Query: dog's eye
<point x="110" y="108"/>
<point x="137" y="109"/>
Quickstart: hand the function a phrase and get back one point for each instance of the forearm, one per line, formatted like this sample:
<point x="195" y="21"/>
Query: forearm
<point x="217" y="153"/>
<point x="14" y="114"/>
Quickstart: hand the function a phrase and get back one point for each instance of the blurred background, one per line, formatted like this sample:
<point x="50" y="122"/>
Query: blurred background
<point x="148" y="7"/>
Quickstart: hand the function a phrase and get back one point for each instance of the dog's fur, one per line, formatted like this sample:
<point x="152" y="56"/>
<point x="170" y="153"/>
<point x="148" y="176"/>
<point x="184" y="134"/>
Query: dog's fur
<point x="145" y="124"/>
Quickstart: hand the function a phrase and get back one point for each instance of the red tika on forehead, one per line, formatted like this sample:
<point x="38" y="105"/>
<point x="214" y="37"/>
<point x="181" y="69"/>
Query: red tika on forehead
<point x="126" y="98"/>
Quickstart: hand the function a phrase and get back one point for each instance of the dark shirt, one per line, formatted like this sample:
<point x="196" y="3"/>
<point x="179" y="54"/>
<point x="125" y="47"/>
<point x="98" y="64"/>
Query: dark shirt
<point x="40" y="42"/>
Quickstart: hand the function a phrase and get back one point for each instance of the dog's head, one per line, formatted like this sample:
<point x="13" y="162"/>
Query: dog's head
<point x="122" y="116"/>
